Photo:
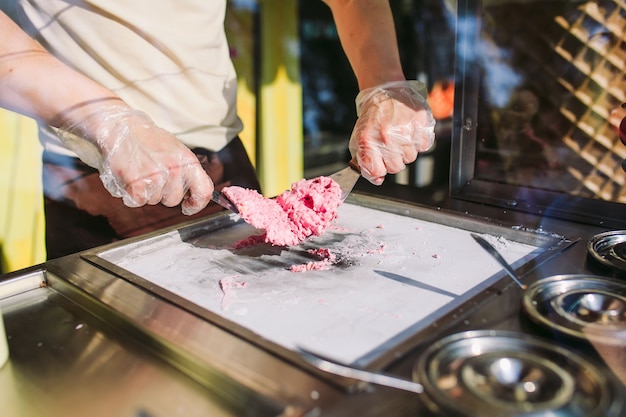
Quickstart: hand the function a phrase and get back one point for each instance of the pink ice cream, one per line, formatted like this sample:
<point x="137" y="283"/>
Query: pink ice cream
<point x="305" y="210"/>
<point x="326" y="260"/>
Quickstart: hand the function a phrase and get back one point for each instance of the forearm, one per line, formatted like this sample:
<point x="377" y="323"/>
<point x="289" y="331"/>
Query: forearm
<point x="367" y="34"/>
<point x="137" y="160"/>
<point x="36" y="84"/>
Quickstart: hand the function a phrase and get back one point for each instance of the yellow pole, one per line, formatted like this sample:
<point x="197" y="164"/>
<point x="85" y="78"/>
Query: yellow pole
<point x="280" y="150"/>
<point x="240" y="32"/>
<point x="22" y="232"/>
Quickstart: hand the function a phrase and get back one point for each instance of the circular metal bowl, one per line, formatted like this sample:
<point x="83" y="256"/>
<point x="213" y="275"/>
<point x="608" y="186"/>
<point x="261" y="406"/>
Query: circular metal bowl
<point x="506" y="374"/>
<point x="586" y="307"/>
<point x="609" y="249"/>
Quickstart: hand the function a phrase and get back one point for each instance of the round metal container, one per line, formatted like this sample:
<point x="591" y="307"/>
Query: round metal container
<point x="586" y="307"/>
<point x="609" y="249"/>
<point x="506" y="374"/>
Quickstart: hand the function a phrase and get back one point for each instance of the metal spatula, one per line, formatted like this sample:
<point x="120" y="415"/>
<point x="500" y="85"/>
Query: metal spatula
<point x="499" y="258"/>
<point x="347" y="178"/>
<point x="378" y="378"/>
<point x="223" y="201"/>
<point x="217" y="196"/>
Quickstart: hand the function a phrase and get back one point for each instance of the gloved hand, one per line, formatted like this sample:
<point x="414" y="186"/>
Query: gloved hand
<point x="395" y="123"/>
<point x="138" y="161"/>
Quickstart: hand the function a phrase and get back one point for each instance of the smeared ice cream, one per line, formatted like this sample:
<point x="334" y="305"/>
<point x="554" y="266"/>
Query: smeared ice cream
<point x="325" y="260"/>
<point x="305" y="210"/>
<point x="227" y="285"/>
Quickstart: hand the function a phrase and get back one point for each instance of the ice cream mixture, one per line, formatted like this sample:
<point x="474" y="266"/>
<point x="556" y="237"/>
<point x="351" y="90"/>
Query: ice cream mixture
<point x="325" y="259"/>
<point x="292" y="217"/>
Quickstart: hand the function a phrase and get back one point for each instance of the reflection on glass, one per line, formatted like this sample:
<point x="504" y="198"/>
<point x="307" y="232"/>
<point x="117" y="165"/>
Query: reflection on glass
<point x="551" y="72"/>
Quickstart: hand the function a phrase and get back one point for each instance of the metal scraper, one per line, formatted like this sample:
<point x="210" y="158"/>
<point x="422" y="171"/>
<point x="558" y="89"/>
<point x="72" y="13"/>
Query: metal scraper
<point x="223" y="201"/>
<point x="217" y="196"/>
<point x="347" y="178"/>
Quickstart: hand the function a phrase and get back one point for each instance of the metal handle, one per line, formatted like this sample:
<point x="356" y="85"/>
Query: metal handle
<point x="335" y="368"/>
<point x="496" y="255"/>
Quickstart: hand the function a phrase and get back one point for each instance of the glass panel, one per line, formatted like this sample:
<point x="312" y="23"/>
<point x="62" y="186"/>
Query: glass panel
<point x="549" y="74"/>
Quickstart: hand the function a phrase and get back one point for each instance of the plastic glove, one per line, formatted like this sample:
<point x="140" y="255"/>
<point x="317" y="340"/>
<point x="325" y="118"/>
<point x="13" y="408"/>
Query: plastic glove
<point x="138" y="161"/>
<point x="395" y="123"/>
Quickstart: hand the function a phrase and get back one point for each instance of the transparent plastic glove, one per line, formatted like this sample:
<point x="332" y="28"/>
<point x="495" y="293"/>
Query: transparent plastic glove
<point x="138" y="161"/>
<point x="395" y="123"/>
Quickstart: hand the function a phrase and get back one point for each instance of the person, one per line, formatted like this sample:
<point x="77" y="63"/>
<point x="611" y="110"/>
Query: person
<point x="35" y="83"/>
<point x="617" y="119"/>
<point x="131" y="98"/>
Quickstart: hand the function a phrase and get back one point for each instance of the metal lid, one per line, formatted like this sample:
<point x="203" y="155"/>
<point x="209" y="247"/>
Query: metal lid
<point x="506" y="374"/>
<point x="587" y="307"/>
<point x="609" y="249"/>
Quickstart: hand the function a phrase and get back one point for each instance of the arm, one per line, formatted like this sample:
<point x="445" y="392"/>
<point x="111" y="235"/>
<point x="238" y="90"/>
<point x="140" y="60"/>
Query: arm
<point x="36" y="84"/>
<point x="368" y="37"/>
<point x="395" y="122"/>
<point x="137" y="160"/>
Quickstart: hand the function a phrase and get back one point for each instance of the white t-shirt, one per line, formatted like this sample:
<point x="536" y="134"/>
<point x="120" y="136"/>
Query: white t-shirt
<point x="169" y="58"/>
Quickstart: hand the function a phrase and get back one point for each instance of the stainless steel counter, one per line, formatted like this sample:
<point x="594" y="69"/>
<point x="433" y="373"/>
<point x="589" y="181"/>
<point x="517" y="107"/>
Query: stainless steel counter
<point x="87" y="340"/>
<point x="71" y="356"/>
